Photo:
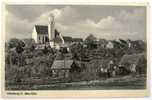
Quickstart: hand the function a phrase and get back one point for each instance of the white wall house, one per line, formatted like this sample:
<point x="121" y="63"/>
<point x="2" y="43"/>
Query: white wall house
<point x="110" y="45"/>
<point x="40" y="34"/>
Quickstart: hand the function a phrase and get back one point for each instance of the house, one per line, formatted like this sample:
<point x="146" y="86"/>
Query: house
<point x="61" y="68"/>
<point x="61" y="65"/>
<point x="64" y="64"/>
<point x="102" y="43"/>
<point x="67" y="39"/>
<point x="77" y="40"/>
<point x="135" y="63"/>
<point x="40" y="34"/>
<point x="109" y="45"/>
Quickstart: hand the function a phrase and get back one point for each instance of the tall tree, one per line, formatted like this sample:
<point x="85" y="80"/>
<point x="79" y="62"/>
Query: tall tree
<point x="14" y="43"/>
<point x="90" y="38"/>
<point x="19" y="50"/>
<point x="103" y="42"/>
<point x="90" y="41"/>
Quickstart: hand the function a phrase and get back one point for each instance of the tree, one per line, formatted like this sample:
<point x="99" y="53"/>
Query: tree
<point x="45" y="50"/>
<point x="90" y="38"/>
<point x="75" y="56"/>
<point x="139" y="45"/>
<point x="14" y="43"/>
<point x="19" y="50"/>
<point x="103" y="42"/>
<point x="32" y="48"/>
<point x="29" y="44"/>
<point x="91" y="41"/>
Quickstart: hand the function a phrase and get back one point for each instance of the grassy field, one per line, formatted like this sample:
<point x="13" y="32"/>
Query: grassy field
<point x="125" y="82"/>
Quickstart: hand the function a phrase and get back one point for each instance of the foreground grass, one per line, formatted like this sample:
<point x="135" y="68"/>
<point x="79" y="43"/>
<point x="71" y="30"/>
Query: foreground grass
<point x="125" y="82"/>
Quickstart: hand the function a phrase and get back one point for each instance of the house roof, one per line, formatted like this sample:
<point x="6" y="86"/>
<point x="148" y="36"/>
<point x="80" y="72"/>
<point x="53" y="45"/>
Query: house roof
<point x="60" y="56"/>
<point x="41" y="29"/>
<point x="67" y="38"/>
<point x="77" y="40"/>
<point x="131" y="59"/>
<point x="61" y="64"/>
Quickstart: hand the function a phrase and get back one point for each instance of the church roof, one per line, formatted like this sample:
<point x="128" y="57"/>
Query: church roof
<point x="77" y="40"/>
<point x="67" y="38"/>
<point x="41" y="29"/>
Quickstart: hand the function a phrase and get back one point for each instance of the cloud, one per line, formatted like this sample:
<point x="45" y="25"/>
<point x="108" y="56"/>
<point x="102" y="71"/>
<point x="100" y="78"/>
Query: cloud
<point x="72" y="21"/>
<point x="28" y="12"/>
<point x="107" y="23"/>
<point x="15" y="27"/>
<point x="108" y="27"/>
<point x="66" y="15"/>
<point x="105" y="27"/>
<point x="135" y="15"/>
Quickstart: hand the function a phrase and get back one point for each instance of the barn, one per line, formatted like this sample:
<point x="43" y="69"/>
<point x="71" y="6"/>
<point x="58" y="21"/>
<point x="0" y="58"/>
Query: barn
<point x="61" y="68"/>
<point x="135" y="63"/>
<point x="64" y="68"/>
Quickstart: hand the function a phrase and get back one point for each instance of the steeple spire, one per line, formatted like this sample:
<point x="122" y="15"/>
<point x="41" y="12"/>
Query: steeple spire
<point x="51" y="27"/>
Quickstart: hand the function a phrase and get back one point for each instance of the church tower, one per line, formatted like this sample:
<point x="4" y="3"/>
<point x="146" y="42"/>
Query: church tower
<point x="51" y="29"/>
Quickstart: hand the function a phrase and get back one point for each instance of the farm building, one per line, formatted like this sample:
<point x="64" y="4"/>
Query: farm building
<point x="135" y="63"/>
<point x="62" y="68"/>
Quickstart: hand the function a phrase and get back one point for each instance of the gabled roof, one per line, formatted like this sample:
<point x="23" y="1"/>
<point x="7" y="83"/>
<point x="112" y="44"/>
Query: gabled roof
<point x="67" y="38"/>
<point x="60" y="56"/>
<point x="61" y="64"/>
<point x="131" y="59"/>
<point x="41" y="29"/>
<point x="77" y="40"/>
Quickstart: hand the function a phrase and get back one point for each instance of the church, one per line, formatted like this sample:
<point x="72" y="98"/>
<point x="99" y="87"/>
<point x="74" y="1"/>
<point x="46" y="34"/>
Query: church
<point x="48" y="34"/>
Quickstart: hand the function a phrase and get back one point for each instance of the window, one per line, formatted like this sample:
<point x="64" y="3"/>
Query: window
<point x="43" y="39"/>
<point x="46" y="39"/>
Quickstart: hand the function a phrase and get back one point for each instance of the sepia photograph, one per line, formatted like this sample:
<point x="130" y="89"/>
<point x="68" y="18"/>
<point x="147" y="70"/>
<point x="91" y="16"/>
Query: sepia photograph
<point x="75" y="47"/>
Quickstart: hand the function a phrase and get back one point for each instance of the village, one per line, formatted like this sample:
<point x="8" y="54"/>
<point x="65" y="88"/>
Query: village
<point x="49" y="58"/>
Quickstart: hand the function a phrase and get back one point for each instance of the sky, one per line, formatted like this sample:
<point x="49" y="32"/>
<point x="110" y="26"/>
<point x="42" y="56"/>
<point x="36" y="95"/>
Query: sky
<point x="103" y="21"/>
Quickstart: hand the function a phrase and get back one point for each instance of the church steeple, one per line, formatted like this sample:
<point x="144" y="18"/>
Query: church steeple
<point x="51" y="27"/>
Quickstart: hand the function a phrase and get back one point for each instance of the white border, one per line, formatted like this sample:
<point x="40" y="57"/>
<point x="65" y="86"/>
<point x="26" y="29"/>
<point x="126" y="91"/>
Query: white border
<point x="88" y="2"/>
